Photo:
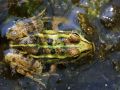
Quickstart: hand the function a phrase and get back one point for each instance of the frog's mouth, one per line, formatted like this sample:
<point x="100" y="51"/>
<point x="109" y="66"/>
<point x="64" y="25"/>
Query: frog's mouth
<point x="89" y="51"/>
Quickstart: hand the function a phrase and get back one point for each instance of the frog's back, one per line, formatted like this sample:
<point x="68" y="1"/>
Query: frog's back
<point x="51" y="44"/>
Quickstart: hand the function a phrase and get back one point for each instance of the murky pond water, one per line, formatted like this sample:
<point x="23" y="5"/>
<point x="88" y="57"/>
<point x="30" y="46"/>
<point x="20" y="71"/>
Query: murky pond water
<point x="98" y="75"/>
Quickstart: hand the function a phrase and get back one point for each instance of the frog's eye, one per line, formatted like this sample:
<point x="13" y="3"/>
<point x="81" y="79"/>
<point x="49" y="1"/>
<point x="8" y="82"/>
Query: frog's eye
<point x="76" y="34"/>
<point x="74" y="38"/>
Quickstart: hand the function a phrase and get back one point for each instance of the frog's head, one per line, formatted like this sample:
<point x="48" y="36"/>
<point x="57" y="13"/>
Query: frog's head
<point x="84" y="47"/>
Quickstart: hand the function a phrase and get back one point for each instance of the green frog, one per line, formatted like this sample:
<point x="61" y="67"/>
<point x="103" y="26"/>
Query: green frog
<point x="31" y="47"/>
<point x="48" y="46"/>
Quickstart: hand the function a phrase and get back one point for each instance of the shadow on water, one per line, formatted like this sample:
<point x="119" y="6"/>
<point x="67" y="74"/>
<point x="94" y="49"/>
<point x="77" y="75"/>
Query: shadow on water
<point x="98" y="75"/>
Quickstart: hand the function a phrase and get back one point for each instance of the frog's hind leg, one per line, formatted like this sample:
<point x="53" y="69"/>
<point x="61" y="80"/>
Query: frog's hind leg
<point x="25" y="65"/>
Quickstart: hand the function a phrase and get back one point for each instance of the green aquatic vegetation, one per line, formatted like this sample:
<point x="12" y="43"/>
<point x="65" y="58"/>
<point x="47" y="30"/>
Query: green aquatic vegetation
<point x="24" y="8"/>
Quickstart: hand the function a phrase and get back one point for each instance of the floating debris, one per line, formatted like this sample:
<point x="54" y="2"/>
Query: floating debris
<point x="23" y="8"/>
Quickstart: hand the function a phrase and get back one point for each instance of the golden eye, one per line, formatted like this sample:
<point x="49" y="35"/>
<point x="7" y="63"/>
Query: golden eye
<point x="74" y="38"/>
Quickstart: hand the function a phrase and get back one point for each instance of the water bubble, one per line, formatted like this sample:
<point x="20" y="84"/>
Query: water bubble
<point x="69" y="88"/>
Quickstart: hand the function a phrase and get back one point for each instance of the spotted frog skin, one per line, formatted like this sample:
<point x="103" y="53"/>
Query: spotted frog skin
<point x="47" y="46"/>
